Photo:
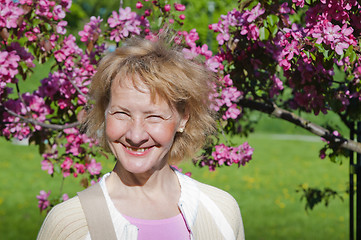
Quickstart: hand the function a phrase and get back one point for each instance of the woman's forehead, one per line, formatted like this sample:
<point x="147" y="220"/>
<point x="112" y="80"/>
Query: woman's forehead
<point x="136" y="82"/>
<point x="127" y="84"/>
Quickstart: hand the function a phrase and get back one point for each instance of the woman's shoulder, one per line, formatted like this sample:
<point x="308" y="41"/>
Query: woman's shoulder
<point x="219" y="196"/>
<point x="226" y="203"/>
<point x="65" y="221"/>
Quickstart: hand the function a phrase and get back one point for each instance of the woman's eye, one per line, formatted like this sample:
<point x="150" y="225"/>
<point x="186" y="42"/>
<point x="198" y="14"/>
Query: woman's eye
<point x="155" y="118"/>
<point x="120" y="115"/>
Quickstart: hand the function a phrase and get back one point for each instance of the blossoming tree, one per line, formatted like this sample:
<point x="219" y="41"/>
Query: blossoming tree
<point x="268" y="60"/>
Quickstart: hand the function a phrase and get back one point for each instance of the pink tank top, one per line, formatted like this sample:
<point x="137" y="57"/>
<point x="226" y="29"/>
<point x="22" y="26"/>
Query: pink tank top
<point x="170" y="228"/>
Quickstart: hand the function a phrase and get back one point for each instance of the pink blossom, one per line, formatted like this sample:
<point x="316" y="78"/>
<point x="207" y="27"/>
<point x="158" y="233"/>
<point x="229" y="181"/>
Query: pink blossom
<point x="276" y="87"/>
<point x="243" y="154"/>
<point x="284" y="8"/>
<point x="213" y="63"/>
<point x="65" y="197"/>
<point x="232" y="112"/>
<point x="182" y="17"/>
<point x="167" y="7"/>
<point x="205" y="52"/>
<point x="91" y="30"/>
<point x="46" y="165"/>
<point x="179" y="7"/>
<point x="9" y="14"/>
<point x="58" y="12"/>
<point x="93" y="167"/>
<point x="8" y="66"/>
<point x="222" y="37"/>
<point x="60" y="27"/>
<point x="190" y="53"/>
<point x="227" y="81"/>
<point x="340" y="46"/>
<point x="229" y="95"/>
<point x="254" y="13"/>
<point x="124" y="24"/>
<point x="79" y="169"/>
<point x="299" y="3"/>
<point x="43" y="202"/>
<point x="221" y="153"/>
<point x="66" y="165"/>
<point x="190" y="38"/>
<point x="139" y="5"/>
<point x="322" y="154"/>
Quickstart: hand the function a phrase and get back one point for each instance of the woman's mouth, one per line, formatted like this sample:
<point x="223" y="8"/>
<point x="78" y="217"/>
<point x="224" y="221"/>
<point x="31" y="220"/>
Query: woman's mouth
<point x="137" y="151"/>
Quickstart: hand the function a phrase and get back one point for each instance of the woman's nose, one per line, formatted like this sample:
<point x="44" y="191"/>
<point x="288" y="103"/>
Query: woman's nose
<point x="136" y="134"/>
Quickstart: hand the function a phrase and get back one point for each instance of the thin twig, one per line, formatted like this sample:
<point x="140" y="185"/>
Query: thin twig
<point x="77" y="89"/>
<point x="41" y="124"/>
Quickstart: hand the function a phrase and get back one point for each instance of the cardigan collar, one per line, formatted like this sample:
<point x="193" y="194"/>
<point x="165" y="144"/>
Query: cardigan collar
<point x="188" y="201"/>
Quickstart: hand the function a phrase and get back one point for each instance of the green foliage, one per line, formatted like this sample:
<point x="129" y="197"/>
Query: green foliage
<point x="315" y="196"/>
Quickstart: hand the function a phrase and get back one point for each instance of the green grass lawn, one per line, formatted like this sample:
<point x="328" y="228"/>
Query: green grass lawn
<point x="264" y="189"/>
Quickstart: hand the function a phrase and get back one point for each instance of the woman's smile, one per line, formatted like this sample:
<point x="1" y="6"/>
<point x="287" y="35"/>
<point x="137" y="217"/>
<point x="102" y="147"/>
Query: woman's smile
<point x="138" y="151"/>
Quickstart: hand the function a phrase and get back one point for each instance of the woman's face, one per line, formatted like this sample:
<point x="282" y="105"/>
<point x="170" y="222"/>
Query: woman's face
<point x="140" y="132"/>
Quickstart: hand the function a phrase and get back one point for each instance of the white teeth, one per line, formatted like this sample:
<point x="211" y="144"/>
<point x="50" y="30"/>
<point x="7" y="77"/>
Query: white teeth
<point x="136" y="149"/>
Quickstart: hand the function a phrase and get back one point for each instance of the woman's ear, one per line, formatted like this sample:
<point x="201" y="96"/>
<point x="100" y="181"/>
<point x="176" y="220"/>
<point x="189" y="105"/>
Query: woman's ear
<point x="183" y="122"/>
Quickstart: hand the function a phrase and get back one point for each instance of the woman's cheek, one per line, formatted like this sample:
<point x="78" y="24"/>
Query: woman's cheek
<point x="112" y="130"/>
<point x="164" y="133"/>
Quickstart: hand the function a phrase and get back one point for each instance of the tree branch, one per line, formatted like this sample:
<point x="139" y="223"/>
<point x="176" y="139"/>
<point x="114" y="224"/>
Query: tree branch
<point x="275" y="111"/>
<point x="41" y="124"/>
<point x="77" y="89"/>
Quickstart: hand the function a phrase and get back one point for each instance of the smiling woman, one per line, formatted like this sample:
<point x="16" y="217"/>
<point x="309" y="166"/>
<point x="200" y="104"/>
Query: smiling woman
<point x="151" y="109"/>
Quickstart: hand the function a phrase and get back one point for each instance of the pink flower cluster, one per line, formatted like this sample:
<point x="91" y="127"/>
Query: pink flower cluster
<point x="15" y="127"/>
<point x="226" y="98"/>
<point x="333" y="35"/>
<point x="69" y="50"/>
<point x="124" y="23"/>
<point x="50" y="10"/>
<point x="9" y="62"/>
<point x="320" y="24"/>
<point x="43" y="201"/>
<point x="77" y="145"/>
<point x="35" y="108"/>
<point x="91" y="30"/>
<point x="224" y="155"/>
<point x="243" y="21"/>
<point x="10" y="59"/>
<point x="9" y="14"/>
<point x="75" y="140"/>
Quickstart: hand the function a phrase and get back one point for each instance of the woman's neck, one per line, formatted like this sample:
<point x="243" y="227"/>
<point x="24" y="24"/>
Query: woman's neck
<point x="153" y="196"/>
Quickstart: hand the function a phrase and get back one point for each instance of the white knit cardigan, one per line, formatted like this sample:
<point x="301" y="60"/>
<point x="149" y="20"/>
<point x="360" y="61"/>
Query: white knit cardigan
<point x="209" y="212"/>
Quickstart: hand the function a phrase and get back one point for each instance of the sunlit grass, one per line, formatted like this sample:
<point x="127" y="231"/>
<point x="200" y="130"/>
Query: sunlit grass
<point x="264" y="189"/>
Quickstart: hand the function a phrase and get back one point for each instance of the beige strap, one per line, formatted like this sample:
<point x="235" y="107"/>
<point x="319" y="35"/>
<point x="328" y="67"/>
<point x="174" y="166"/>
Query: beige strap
<point x="97" y="214"/>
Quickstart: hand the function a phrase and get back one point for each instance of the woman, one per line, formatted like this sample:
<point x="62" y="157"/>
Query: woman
<point x="151" y="109"/>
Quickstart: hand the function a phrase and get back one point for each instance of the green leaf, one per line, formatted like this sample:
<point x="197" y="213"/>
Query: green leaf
<point x="351" y="53"/>
<point x="273" y="30"/>
<point x="313" y="56"/>
<point x="320" y="47"/>
<point x="263" y="33"/>
<point x="272" y="19"/>
<point x="353" y="56"/>
<point x="307" y="53"/>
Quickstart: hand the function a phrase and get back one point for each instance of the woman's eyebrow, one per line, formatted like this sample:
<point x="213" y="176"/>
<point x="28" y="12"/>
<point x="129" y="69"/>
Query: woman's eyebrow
<point x="117" y="107"/>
